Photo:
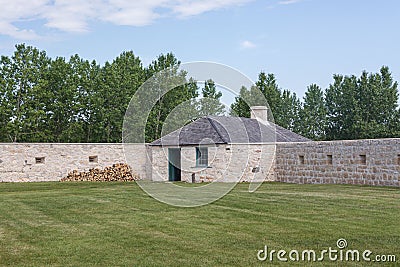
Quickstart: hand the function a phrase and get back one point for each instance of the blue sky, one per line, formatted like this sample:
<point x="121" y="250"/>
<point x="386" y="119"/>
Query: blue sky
<point x="300" y="41"/>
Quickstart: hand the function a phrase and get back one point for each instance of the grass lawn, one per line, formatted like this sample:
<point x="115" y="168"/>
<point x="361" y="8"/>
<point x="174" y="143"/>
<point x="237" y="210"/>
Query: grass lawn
<point x="117" y="224"/>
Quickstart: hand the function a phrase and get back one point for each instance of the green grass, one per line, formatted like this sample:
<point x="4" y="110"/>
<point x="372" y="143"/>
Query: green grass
<point x="117" y="224"/>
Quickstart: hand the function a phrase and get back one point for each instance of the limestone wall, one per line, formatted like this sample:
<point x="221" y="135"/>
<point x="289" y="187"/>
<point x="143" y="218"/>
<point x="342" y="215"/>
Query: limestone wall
<point x="369" y="162"/>
<point x="21" y="162"/>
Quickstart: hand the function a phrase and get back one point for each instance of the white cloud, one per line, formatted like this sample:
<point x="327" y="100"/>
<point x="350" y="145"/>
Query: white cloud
<point x="247" y="44"/>
<point x="131" y="13"/>
<point x="195" y="7"/>
<point x="17" y="11"/>
<point x="11" y="30"/>
<point x="288" y="2"/>
<point x="70" y="15"/>
<point x="76" y="15"/>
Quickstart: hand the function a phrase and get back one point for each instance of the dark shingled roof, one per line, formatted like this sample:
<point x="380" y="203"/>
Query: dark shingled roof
<point x="227" y="130"/>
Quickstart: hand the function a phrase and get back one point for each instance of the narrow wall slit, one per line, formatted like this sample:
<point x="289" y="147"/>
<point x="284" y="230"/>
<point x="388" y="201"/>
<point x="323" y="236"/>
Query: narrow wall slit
<point x="301" y="159"/>
<point x="363" y="159"/>
<point x="329" y="159"/>
<point x="93" y="159"/>
<point x="39" y="160"/>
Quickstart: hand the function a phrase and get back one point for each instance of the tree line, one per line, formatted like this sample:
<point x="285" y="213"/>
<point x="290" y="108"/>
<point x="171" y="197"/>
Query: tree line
<point x="45" y="99"/>
<point x="350" y="108"/>
<point x="76" y="100"/>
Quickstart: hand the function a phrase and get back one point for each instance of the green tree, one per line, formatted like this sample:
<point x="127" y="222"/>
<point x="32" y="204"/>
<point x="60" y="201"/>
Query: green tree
<point x="169" y="75"/>
<point x="210" y="104"/>
<point x="364" y="107"/>
<point x="313" y="114"/>
<point x="240" y="106"/>
<point x="71" y="107"/>
<point x="117" y="83"/>
<point x="85" y="75"/>
<point x="288" y="111"/>
<point x="62" y="109"/>
<point x="5" y="102"/>
<point x="343" y="108"/>
<point x="24" y="96"/>
<point x="265" y="93"/>
<point x="186" y="112"/>
<point x="267" y="84"/>
<point x="378" y="97"/>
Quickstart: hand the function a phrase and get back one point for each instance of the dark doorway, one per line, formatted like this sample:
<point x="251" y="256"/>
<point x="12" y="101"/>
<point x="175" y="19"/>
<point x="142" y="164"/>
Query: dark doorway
<point x="174" y="164"/>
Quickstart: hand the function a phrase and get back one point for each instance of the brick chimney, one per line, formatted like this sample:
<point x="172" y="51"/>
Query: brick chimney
<point x="259" y="113"/>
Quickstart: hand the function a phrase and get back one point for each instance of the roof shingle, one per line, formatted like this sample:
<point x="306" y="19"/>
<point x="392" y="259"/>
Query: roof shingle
<point x="227" y="130"/>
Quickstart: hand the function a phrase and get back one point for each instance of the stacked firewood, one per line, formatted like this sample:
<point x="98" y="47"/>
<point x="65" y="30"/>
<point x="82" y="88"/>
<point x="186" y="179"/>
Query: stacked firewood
<point x="117" y="172"/>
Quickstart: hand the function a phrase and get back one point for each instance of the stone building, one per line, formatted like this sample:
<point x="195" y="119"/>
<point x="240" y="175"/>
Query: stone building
<point x="220" y="148"/>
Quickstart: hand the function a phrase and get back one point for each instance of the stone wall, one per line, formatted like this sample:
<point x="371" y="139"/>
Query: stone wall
<point x="369" y="162"/>
<point x="363" y="162"/>
<point x="22" y="162"/>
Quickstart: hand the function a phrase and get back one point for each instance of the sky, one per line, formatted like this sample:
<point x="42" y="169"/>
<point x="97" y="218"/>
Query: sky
<point x="300" y="41"/>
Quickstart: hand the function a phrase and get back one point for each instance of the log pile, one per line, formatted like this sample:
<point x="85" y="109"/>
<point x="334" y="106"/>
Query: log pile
<point x="116" y="172"/>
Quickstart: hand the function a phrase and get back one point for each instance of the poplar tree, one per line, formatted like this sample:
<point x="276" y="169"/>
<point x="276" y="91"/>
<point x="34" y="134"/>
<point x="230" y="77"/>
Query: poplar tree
<point x="117" y="83"/>
<point x="313" y="114"/>
<point x="24" y="95"/>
